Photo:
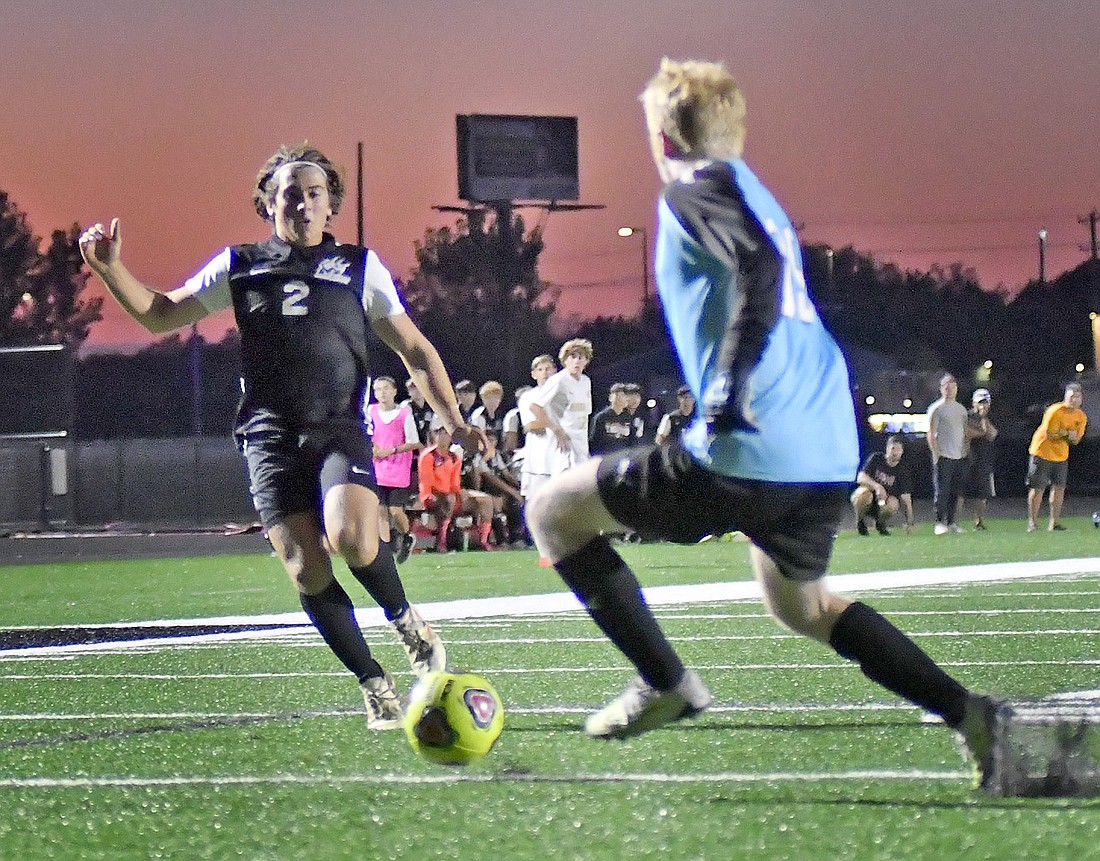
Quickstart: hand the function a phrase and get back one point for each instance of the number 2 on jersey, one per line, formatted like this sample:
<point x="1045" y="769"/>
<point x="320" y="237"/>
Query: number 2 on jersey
<point x="294" y="300"/>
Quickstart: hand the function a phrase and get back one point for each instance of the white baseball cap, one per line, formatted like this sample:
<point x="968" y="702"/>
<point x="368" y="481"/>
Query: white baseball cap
<point x="981" y="395"/>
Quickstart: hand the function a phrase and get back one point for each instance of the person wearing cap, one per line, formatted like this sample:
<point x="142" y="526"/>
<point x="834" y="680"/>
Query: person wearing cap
<point x="674" y="422"/>
<point x="980" y="432"/>
<point x="884" y="484"/>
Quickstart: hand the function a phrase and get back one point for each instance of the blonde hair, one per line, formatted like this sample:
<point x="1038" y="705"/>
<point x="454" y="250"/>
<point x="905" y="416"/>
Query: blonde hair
<point x="698" y="106"/>
<point x="576" y="345"/>
<point x="492" y="387"/>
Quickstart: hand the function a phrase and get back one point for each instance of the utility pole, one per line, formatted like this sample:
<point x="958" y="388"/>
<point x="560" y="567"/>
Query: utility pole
<point x="1043" y="256"/>
<point x="1090" y="219"/>
<point x="359" y="187"/>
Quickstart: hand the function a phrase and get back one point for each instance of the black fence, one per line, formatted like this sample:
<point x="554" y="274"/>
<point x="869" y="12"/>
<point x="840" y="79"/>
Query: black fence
<point x="53" y="482"/>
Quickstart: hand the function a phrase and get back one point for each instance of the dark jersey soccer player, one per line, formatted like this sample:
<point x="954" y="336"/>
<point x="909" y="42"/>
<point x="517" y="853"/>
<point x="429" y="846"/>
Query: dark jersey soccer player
<point x="303" y="304"/>
<point x="772" y="452"/>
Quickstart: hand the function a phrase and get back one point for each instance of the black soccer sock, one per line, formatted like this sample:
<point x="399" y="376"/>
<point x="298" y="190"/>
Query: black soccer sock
<point x="890" y="658"/>
<point x="610" y="592"/>
<point x="382" y="581"/>
<point x="333" y="615"/>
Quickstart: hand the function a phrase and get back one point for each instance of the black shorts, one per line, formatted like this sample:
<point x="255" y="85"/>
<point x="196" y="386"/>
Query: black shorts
<point x="663" y="491"/>
<point x="979" y="482"/>
<point x="394" y="497"/>
<point x="1041" y="473"/>
<point x="290" y="473"/>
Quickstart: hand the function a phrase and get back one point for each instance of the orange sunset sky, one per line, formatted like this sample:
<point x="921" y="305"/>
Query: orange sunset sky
<point x="921" y="132"/>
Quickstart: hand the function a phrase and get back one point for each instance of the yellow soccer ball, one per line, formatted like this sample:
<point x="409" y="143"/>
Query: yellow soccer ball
<point x="453" y="718"/>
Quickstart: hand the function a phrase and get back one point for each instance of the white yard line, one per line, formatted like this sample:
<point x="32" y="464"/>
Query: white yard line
<point x="456" y="776"/>
<point x="565" y="602"/>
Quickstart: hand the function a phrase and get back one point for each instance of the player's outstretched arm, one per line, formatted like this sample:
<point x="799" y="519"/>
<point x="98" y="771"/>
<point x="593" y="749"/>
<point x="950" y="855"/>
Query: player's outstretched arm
<point x="101" y="249"/>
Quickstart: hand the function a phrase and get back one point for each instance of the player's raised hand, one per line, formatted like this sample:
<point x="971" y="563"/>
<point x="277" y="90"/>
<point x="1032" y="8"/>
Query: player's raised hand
<point x="101" y="247"/>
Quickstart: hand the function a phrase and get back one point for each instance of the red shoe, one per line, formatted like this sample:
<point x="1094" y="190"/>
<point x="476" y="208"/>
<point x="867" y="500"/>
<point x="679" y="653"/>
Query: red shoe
<point x="545" y="563"/>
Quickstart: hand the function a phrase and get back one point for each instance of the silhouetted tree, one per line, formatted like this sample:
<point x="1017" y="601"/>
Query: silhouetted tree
<point x="40" y="292"/>
<point x="477" y="294"/>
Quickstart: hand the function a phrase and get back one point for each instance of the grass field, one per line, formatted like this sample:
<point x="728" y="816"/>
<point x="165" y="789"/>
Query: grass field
<point x="254" y="746"/>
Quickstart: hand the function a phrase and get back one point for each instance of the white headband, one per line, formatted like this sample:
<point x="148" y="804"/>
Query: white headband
<point x="299" y="163"/>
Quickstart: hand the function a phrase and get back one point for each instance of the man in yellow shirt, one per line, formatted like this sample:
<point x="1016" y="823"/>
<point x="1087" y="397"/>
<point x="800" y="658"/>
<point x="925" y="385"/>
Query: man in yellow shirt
<point x="1063" y="424"/>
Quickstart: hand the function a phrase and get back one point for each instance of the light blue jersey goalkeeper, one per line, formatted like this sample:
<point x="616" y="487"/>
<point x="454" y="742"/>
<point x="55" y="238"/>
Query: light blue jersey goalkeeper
<point x="772" y="384"/>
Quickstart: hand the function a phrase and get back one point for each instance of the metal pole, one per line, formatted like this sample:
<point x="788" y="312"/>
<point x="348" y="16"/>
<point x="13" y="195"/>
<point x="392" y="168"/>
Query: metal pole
<point x="1043" y="255"/>
<point x="359" y="188"/>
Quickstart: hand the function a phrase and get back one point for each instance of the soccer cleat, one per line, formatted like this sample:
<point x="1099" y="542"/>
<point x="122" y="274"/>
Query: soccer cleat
<point x="423" y="646"/>
<point x="1031" y="527"/>
<point x="978" y="734"/>
<point x="880" y="527"/>
<point x="979" y="526"/>
<point x="862" y="527"/>
<point x="382" y="702"/>
<point x="641" y="707"/>
<point x="954" y="527"/>
<point x="941" y="529"/>
<point x="405" y="544"/>
<point x="1056" y="527"/>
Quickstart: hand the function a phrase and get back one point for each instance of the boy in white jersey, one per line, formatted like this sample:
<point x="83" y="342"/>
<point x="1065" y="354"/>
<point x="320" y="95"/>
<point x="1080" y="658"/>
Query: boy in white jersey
<point x="563" y="404"/>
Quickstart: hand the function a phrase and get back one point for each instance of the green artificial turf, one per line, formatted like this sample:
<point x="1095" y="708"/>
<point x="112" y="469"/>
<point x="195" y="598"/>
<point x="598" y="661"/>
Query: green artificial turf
<point x="256" y="748"/>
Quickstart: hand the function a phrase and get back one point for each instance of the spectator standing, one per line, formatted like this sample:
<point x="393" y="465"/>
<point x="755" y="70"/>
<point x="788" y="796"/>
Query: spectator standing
<point x="947" y="445"/>
<point x="1063" y="425"/>
<point x="980" y="434"/>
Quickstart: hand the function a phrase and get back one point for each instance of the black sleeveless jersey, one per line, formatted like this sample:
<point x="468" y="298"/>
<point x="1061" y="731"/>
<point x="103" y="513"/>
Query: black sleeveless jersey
<point x="303" y="327"/>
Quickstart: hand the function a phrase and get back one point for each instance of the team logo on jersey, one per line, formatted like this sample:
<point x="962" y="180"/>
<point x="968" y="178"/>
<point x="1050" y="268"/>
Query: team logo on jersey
<point x="333" y="269"/>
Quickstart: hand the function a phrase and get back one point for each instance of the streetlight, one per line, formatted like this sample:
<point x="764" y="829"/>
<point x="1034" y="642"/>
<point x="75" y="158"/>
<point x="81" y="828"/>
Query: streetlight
<point x="1042" y="255"/>
<point x="630" y="231"/>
